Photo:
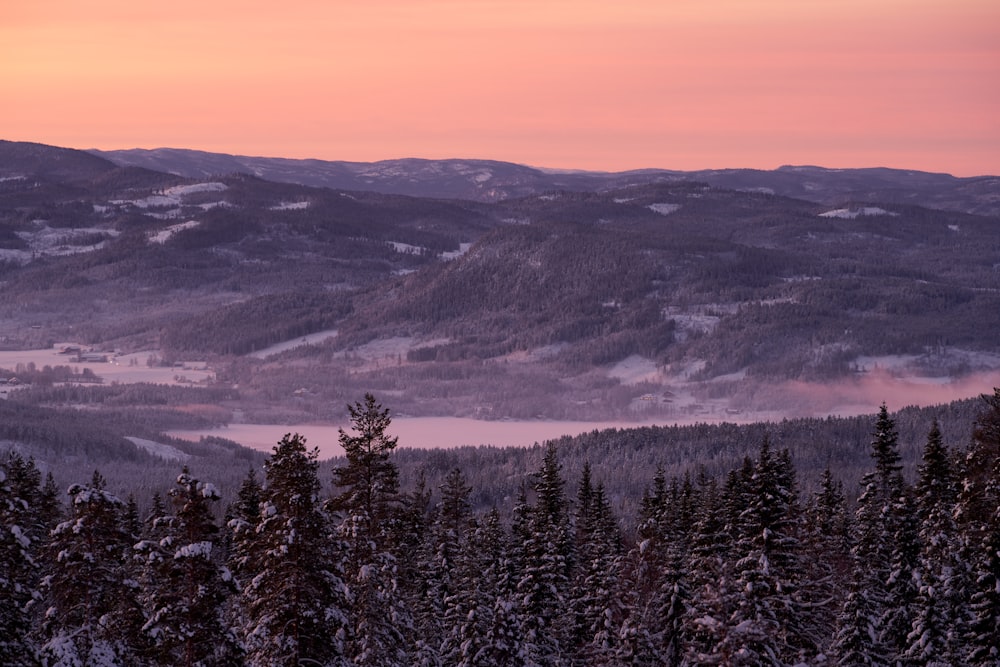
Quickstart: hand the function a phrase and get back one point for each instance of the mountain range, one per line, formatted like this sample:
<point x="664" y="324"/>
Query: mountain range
<point x="495" y="290"/>
<point x="490" y="180"/>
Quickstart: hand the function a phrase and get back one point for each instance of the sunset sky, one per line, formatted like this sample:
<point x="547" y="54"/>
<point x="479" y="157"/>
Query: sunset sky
<point x="588" y="84"/>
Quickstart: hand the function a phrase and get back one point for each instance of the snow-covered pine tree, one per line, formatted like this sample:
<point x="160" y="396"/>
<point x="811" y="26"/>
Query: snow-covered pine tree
<point x="858" y="641"/>
<point x="497" y="609"/>
<point x="242" y="519"/>
<point x="826" y="560"/>
<point x="186" y="602"/>
<point x="870" y="623"/>
<point x="979" y="517"/>
<point x="940" y="610"/>
<point x="17" y="574"/>
<point x="441" y="555"/>
<point x="418" y="571"/>
<point x="90" y="601"/>
<point x="547" y="555"/>
<point x="368" y="503"/>
<point x="596" y="595"/>
<point x="711" y="571"/>
<point x="293" y="597"/>
<point x="766" y="624"/>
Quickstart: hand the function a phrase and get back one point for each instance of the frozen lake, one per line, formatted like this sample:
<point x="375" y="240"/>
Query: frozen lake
<point x="413" y="432"/>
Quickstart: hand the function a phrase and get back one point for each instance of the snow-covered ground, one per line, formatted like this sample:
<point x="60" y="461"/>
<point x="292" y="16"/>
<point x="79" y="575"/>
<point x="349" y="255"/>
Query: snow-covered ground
<point x="853" y="213"/>
<point x="406" y="248"/>
<point x="635" y="369"/>
<point x="165" y="452"/>
<point x="664" y="209"/>
<point x="165" y="234"/>
<point x="388" y="351"/>
<point x="172" y="196"/>
<point x="455" y="254"/>
<point x="44" y="240"/>
<point x="290" y="206"/>
<point x="122" y="369"/>
<point x="309" y="339"/>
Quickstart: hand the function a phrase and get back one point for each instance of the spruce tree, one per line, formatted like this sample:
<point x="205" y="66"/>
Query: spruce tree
<point x="189" y="587"/>
<point x="242" y="519"/>
<point x="17" y="580"/>
<point x="940" y="609"/>
<point x="765" y="625"/>
<point x="546" y="557"/>
<point x="90" y="601"/>
<point x="293" y="596"/>
<point x="979" y="516"/>
<point x="596" y="595"/>
<point x="713" y="594"/>
<point x="877" y="615"/>
<point x="368" y="504"/>
<point x="826" y="560"/>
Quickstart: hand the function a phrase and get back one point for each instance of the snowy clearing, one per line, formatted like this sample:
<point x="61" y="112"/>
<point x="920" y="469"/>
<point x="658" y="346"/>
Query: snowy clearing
<point x="664" y="209"/>
<point x="172" y="196"/>
<point x="455" y="254"/>
<point x="635" y="369"/>
<point x="123" y="369"/>
<point x="854" y="213"/>
<point x="278" y="348"/>
<point x="47" y="241"/>
<point x="165" y="452"/>
<point x="407" y="249"/>
<point x="290" y="206"/>
<point x="164" y="235"/>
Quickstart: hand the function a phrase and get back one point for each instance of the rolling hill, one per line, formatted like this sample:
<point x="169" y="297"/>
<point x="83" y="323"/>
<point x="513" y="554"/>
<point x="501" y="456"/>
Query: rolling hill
<point x="638" y="295"/>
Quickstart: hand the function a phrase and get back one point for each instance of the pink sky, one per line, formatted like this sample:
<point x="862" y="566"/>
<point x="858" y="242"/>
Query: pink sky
<point x="678" y="84"/>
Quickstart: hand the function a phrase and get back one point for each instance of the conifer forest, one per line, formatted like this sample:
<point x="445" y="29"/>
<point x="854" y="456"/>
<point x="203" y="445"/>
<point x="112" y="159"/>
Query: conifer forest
<point x="744" y="569"/>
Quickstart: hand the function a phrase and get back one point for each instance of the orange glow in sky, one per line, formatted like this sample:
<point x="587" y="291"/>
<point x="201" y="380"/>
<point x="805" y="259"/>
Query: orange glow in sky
<point x="587" y="84"/>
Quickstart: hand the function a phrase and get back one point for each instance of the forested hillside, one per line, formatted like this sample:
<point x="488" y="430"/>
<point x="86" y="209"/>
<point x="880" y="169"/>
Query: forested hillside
<point x="657" y="298"/>
<point x="740" y="567"/>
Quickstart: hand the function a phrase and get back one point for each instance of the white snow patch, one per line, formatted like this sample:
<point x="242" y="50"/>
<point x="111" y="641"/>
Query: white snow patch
<point x="173" y="196"/>
<point x="663" y="209"/>
<point x="853" y="213"/>
<point x="46" y="241"/>
<point x="165" y="452"/>
<point x="182" y="190"/>
<point x="953" y="228"/>
<point x="164" y="235"/>
<point x="196" y="550"/>
<point x="536" y="354"/>
<point x="634" y="369"/>
<point x="483" y="176"/>
<point x="290" y="206"/>
<point x="623" y="200"/>
<point x="407" y="249"/>
<point x="278" y="348"/>
<point x="454" y="254"/>
<point x="3" y="179"/>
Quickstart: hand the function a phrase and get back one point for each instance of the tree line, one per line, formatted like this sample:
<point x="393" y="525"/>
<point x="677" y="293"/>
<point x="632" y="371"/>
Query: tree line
<point x="739" y="569"/>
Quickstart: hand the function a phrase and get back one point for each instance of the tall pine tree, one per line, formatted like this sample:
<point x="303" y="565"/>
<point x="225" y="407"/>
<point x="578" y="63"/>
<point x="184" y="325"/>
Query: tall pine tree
<point x="293" y="596"/>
